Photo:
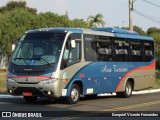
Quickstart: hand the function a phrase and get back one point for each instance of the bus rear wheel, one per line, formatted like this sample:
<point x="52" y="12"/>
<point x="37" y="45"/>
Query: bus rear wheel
<point x="74" y="94"/>
<point x="128" y="90"/>
<point x="30" y="98"/>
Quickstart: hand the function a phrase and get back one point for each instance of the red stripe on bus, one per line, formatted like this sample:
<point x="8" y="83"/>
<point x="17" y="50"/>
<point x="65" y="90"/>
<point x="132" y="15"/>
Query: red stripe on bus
<point x="38" y="77"/>
<point x="151" y="66"/>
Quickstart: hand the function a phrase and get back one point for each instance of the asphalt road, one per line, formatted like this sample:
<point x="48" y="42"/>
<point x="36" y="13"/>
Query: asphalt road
<point x="136" y="103"/>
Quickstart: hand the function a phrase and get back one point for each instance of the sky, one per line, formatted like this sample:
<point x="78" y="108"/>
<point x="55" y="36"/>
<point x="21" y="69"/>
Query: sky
<point x="115" y="12"/>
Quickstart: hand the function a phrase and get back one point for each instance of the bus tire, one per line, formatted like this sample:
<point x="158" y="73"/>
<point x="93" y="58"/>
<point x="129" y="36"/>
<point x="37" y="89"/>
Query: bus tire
<point x="74" y="94"/>
<point x="30" y="98"/>
<point x="119" y="94"/>
<point x="128" y="90"/>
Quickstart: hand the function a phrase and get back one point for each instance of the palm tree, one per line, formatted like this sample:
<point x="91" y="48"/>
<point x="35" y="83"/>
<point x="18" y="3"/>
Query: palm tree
<point x="96" y="21"/>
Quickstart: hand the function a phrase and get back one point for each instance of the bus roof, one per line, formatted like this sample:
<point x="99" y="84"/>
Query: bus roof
<point x="108" y="31"/>
<point x="59" y="29"/>
<point x="121" y="33"/>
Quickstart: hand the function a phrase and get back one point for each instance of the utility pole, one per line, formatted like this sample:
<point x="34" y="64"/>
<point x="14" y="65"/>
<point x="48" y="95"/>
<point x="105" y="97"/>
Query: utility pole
<point x="130" y="15"/>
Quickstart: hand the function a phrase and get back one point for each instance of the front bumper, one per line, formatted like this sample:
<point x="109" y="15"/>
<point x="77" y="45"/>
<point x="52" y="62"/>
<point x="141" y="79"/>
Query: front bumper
<point x="36" y="89"/>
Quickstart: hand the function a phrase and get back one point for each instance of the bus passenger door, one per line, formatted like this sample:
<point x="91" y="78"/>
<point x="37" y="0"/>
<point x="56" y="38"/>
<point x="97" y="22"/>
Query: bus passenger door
<point x="70" y="63"/>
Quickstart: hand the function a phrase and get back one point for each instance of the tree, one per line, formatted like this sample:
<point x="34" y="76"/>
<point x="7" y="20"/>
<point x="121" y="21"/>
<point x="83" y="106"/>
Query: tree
<point x="13" y="25"/>
<point x="155" y="33"/>
<point x="96" y="21"/>
<point x="14" y="5"/>
<point x="137" y="29"/>
<point x="80" y="23"/>
<point x="50" y="19"/>
<point x="153" y="30"/>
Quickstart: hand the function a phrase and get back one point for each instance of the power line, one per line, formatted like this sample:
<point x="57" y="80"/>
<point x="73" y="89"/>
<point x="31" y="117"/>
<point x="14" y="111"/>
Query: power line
<point x="157" y="20"/>
<point x="151" y="3"/>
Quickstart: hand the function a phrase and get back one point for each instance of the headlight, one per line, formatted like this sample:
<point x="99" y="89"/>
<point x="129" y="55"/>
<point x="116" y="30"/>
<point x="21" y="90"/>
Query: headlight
<point x="10" y="80"/>
<point x="48" y="81"/>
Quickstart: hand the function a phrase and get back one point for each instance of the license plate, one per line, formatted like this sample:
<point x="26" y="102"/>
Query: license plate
<point x="27" y="93"/>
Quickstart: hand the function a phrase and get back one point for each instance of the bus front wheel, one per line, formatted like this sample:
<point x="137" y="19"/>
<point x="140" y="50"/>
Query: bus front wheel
<point x="128" y="90"/>
<point x="74" y="95"/>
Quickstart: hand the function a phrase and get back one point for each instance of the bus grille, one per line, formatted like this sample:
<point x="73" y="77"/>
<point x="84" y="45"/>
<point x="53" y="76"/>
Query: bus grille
<point x="29" y="73"/>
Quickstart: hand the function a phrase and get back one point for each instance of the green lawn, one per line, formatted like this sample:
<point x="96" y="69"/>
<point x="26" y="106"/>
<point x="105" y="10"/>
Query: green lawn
<point x="157" y="85"/>
<point x="3" y="81"/>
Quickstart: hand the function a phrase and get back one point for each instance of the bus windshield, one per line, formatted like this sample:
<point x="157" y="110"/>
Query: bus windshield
<point x="39" y="48"/>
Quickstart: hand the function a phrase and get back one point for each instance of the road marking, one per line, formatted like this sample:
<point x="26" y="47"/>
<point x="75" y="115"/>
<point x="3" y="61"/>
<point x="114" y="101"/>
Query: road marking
<point x="112" y="109"/>
<point x="133" y="106"/>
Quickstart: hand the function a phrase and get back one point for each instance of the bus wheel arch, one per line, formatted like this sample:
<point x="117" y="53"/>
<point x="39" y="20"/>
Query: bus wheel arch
<point x="74" y="92"/>
<point x="80" y="84"/>
<point x="132" y="82"/>
<point x="128" y="88"/>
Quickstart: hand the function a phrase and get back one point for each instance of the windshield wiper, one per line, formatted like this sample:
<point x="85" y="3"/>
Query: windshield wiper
<point x="43" y="60"/>
<point x="24" y="59"/>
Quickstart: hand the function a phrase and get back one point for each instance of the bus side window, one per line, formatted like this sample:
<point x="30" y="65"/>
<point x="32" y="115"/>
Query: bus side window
<point x="136" y="51"/>
<point x="104" y="48"/>
<point x="90" y="53"/>
<point x="121" y="50"/>
<point x="71" y="55"/>
<point x="148" y="51"/>
<point x="75" y="54"/>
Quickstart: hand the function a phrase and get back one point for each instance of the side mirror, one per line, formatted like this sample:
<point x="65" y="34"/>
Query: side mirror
<point x="73" y="43"/>
<point x="13" y="47"/>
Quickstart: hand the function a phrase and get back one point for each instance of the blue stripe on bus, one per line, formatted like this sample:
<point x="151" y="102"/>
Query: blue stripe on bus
<point x="106" y="80"/>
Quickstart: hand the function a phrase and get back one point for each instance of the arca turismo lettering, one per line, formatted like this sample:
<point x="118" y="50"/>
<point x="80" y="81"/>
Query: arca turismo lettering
<point x="105" y="69"/>
<point x="114" y="69"/>
<point x="117" y="69"/>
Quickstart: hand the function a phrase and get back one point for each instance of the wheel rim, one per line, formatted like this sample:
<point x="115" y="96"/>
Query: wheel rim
<point x="74" y="94"/>
<point x="128" y="89"/>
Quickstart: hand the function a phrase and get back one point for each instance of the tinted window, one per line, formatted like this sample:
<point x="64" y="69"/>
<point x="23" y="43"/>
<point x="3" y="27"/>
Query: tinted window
<point x="71" y="55"/>
<point x="90" y="53"/>
<point x="39" y="48"/>
<point x="104" y="48"/>
<point x="121" y="48"/>
<point x="148" y="51"/>
<point x="136" y="50"/>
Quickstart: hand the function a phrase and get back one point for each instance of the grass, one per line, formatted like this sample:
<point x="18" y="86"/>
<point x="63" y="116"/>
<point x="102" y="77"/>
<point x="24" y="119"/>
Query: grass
<point x="3" y="89"/>
<point x="3" y="82"/>
<point x="157" y="85"/>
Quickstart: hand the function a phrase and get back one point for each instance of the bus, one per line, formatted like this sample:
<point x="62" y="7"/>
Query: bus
<point x="74" y="62"/>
